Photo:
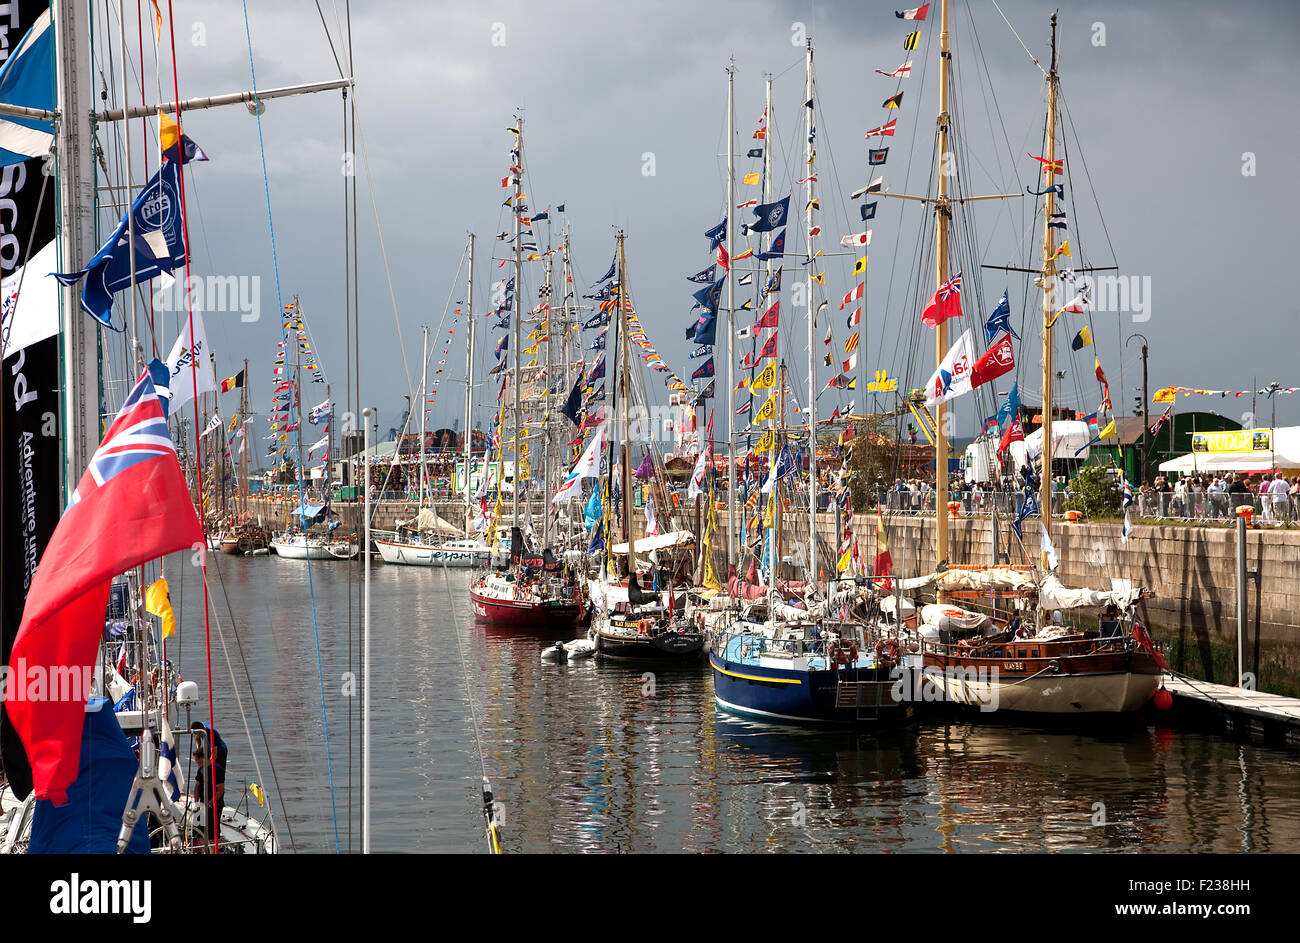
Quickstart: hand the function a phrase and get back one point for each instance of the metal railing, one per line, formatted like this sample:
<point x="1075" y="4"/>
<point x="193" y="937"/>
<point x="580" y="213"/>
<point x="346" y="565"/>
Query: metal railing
<point x="1201" y="507"/>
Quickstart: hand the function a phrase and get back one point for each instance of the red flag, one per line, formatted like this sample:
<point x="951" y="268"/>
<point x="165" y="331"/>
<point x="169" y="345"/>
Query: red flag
<point x="770" y="316"/>
<point x="853" y="295"/>
<point x="1015" y="433"/>
<point x="723" y="259"/>
<point x="769" y="347"/>
<point x="997" y="360"/>
<point x="884" y="562"/>
<point x="131" y="506"/>
<point x="885" y="130"/>
<point x="945" y="304"/>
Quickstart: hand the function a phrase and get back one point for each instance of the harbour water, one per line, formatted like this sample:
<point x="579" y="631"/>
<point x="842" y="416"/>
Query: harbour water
<point x="594" y="757"/>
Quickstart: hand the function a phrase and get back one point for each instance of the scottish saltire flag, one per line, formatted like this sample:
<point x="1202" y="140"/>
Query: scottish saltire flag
<point x="27" y="79"/>
<point x="131" y="506"/>
<point x="999" y="321"/>
<point x="159" y="246"/>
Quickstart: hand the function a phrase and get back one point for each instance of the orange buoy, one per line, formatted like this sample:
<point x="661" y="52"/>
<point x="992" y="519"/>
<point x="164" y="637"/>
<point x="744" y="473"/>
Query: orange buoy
<point x="1162" y="700"/>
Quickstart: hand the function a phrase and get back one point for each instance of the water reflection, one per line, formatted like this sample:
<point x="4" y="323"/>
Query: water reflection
<point x="591" y="757"/>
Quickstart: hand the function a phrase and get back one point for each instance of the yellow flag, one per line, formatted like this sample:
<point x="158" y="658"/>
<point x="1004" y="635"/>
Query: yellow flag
<point x="766" y="378"/>
<point x="845" y="560"/>
<point x="169" y="132"/>
<point x="257" y="792"/>
<point x="765" y="412"/>
<point x="820" y="278"/>
<point x="1063" y="250"/>
<point x="751" y="179"/>
<point x="769" y="512"/>
<point x="1164" y="395"/>
<point x="766" y="443"/>
<point x="860" y="266"/>
<point x="1108" y="432"/>
<point x="157" y="602"/>
<point x="533" y="349"/>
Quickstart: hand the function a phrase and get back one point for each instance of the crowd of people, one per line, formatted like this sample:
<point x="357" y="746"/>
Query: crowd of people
<point x="1216" y="497"/>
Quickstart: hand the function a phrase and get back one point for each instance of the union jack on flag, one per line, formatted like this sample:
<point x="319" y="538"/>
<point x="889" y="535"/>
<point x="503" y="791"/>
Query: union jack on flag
<point x="138" y="434"/>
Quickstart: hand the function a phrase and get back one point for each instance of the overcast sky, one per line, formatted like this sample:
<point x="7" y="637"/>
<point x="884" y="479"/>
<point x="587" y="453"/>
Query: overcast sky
<point x="1163" y="114"/>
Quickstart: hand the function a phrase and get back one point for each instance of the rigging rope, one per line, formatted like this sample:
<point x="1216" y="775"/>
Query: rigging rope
<point x="297" y="435"/>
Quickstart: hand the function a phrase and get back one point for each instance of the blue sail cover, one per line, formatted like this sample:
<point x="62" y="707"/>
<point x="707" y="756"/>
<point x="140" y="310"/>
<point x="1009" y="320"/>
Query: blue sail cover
<point x="89" y="822"/>
<point x="310" y="513"/>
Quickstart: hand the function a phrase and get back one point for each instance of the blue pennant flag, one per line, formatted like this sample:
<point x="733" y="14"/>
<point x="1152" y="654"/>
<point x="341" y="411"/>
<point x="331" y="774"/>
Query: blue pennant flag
<point x="771" y="216"/>
<point x="1029" y="509"/>
<point x="599" y="319"/>
<point x="598" y="343"/>
<point x="877" y="156"/>
<point x="705" y="330"/>
<point x="999" y="321"/>
<point x="707" y="392"/>
<point x="777" y="250"/>
<point x="716" y="235"/>
<point x="27" y="80"/>
<point x="755" y="152"/>
<point x="1057" y="188"/>
<point x="703" y="370"/>
<point x="1010" y="408"/>
<point x="574" y="403"/>
<point x="773" y="284"/>
<point x="159" y="247"/>
<point x="613" y="267"/>
<point x="707" y="297"/>
<point x="703" y="277"/>
<point x="705" y="351"/>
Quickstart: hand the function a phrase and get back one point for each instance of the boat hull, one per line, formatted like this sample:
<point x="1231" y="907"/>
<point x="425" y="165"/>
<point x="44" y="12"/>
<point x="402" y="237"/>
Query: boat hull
<point x="858" y="696"/>
<point x="1099" y="683"/>
<point x="664" y="646"/>
<point x="298" y="550"/>
<point x="525" y="613"/>
<point x="404" y="554"/>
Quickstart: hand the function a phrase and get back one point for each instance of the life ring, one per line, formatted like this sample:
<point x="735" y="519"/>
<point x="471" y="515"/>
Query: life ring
<point x="888" y="651"/>
<point x="964" y="644"/>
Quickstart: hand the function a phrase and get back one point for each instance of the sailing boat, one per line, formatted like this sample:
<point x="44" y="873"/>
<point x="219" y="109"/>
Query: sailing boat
<point x="631" y="622"/>
<point x="533" y="590"/>
<point x="426" y="548"/>
<point x="299" y="542"/>
<point x="1024" y="664"/>
<point x="805" y="661"/>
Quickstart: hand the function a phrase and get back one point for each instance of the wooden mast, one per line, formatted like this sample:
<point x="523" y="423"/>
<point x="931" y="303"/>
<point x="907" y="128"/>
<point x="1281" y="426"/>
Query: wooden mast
<point x="519" y="288"/>
<point x="942" y="218"/>
<point x="732" y="531"/>
<point x="1049" y="302"/>
<point x="811" y="572"/>
<point x="469" y="382"/>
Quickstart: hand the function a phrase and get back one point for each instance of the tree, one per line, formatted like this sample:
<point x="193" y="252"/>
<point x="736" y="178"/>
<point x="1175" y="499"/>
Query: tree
<point x="1094" y="491"/>
<point x="871" y="463"/>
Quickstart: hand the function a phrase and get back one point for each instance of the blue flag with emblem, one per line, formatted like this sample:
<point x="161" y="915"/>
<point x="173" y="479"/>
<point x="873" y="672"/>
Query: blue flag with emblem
<point x="159" y="247"/>
<point x="1010" y="408"/>
<point x="771" y="216"/>
<point x="999" y="321"/>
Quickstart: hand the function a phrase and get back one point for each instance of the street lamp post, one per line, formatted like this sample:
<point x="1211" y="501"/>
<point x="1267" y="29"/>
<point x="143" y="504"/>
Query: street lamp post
<point x="1146" y="420"/>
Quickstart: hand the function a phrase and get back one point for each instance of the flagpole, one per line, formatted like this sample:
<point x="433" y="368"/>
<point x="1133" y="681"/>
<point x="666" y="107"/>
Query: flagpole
<point x="812" y="317"/>
<point x="1049" y="295"/>
<point x="731" y="309"/>
<point x="519" y="287"/>
<point x="365" y="656"/>
<point x="469" y="377"/>
<point x="942" y="215"/>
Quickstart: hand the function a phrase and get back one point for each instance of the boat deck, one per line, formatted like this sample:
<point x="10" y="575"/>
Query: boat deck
<point x="744" y="650"/>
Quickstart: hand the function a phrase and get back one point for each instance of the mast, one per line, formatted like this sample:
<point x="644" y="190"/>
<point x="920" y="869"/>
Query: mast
<point x="519" y="287"/>
<point x="627" y="394"/>
<point x="812" y="317"/>
<point x="942" y="217"/>
<point x="564" y="342"/>
<point x="469" y="373"/>
<point x="548" y="411"/>
<point x="76" y="232"/>
<point x="775" y="562"/>
<point x="243" y="452"/>
<point x="1049" y="296"/>
<point x="424" y="409"/>
<point x="731" y="309"/>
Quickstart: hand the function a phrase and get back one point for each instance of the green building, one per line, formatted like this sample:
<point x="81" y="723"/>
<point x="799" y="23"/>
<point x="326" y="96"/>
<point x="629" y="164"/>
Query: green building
<point x="1174" y="438"/>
